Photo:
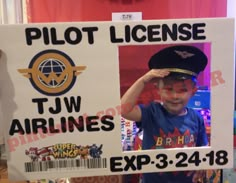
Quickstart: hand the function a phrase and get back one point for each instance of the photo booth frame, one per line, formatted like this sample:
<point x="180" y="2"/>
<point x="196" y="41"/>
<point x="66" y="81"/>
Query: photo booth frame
<point x="60" y="94"/>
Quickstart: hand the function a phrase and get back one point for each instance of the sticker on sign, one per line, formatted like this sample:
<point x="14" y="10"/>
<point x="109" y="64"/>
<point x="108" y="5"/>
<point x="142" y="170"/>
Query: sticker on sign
<point x="127" y="16"/>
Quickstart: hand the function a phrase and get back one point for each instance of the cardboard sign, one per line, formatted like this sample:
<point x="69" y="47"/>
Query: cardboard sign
<point x="60" y="96"/>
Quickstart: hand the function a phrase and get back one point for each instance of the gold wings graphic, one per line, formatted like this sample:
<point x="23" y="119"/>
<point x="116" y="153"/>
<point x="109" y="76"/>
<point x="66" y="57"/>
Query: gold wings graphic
<point x="52" y="76"/>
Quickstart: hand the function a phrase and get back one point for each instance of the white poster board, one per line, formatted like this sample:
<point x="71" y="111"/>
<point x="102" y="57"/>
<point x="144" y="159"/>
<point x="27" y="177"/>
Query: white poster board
<point x="60" y="95"/>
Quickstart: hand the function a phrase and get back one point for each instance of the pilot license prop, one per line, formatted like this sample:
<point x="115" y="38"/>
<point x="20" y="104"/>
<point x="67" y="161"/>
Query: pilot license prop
<point x="60" y="96"/>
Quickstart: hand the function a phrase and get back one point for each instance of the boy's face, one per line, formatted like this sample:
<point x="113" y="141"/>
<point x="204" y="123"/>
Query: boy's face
<point x="175" y="94"/>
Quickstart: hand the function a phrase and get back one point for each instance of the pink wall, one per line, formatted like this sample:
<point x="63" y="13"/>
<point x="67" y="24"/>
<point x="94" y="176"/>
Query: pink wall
<point x="99" y="10"/>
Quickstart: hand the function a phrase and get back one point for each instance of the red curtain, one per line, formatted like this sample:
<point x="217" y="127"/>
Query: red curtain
<point x="101" y="10"/>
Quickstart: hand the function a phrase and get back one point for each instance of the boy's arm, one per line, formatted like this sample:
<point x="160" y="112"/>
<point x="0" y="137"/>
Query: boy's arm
<point x="129" y="109"/>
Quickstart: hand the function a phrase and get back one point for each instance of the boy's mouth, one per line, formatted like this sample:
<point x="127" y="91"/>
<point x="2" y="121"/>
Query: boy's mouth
<point x="175" y="102"/>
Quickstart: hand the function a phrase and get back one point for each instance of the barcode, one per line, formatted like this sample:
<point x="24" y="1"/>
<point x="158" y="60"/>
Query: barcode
<point x="40" y="166"/>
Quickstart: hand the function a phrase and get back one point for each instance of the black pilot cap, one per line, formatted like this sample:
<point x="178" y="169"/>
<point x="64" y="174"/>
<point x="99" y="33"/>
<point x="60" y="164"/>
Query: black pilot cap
<point x="182" y="61"/>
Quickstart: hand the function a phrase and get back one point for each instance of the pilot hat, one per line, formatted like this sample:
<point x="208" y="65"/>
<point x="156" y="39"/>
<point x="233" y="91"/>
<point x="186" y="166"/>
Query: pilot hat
<point x="182" y="61"/>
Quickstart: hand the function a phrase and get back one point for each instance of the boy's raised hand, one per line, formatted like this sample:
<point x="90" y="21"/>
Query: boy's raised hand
<point x="155" y="74"/>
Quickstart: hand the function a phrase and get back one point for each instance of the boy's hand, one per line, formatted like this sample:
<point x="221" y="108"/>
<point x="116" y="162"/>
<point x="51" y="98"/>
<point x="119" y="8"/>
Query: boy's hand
<point x="198" y="176"/>
<point x="155" y="74"/>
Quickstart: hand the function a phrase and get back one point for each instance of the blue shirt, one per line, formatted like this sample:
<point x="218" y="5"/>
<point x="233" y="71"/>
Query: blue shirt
<point x="164" y="130"/>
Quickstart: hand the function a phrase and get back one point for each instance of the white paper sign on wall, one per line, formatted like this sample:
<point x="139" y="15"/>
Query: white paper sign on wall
<point x="127" y="16"/>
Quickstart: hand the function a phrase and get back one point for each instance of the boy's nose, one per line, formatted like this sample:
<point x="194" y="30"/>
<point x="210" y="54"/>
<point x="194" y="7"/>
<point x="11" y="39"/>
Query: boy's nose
<point x="175" y="95"/>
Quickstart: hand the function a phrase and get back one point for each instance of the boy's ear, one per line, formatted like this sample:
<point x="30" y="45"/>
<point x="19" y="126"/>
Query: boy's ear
<point x="194" y="90"/>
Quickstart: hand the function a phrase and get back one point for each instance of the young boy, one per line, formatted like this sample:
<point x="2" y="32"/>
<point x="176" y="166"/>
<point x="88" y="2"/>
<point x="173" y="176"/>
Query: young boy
<point x="174" y="71"/>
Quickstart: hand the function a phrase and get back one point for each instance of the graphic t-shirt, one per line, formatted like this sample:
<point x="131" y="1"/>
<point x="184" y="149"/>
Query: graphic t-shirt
<point x="164" y="130"/>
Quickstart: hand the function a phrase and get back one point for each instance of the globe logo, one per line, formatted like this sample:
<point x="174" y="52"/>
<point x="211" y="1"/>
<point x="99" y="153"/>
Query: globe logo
<point x="52" y="66"/>
<point x="52" y="72"/>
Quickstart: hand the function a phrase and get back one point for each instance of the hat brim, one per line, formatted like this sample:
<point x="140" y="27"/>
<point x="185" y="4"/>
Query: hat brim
<point x="179" y="76"/>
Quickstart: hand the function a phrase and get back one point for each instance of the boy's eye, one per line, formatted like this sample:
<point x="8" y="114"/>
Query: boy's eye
<point x="168" y="89"/>
<point x="182" y="90"/>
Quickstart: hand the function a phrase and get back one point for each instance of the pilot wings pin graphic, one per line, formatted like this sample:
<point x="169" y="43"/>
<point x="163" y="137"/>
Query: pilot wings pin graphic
<point x="52" y="72"/>
<point x="184" y="54"/>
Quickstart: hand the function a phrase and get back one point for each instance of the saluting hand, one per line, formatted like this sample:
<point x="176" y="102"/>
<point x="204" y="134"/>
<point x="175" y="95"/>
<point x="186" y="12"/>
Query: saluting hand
<point x="154" y="74"/>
